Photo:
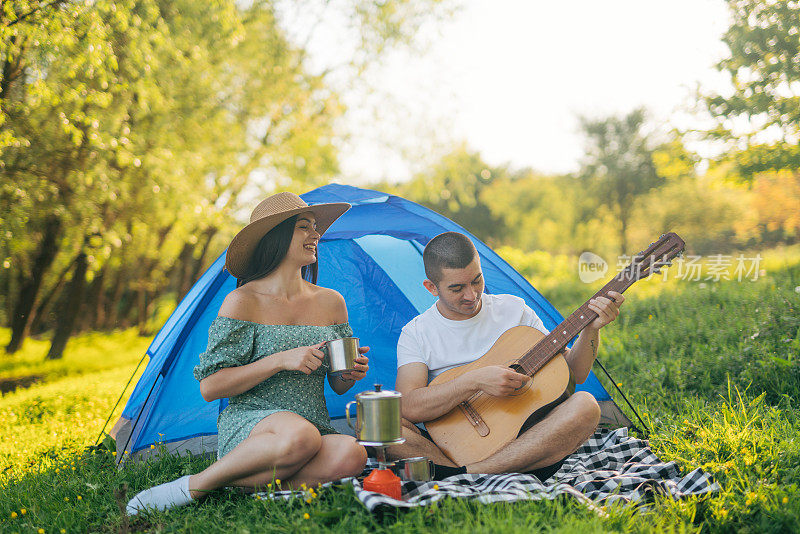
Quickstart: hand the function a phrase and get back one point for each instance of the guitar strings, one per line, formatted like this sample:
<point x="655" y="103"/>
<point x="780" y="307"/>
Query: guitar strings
<point x="537" y="357"/>
<point x="534" y="359"/>
<point x="530" y="362"/>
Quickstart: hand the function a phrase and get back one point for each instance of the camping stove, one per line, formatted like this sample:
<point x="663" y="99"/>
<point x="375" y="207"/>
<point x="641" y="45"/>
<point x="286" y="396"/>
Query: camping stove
<point x="378" y="425"/>
<point x="383" y="480"/>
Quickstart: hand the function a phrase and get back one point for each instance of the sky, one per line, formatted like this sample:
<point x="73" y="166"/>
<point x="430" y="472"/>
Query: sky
<point x="510" y="79"/>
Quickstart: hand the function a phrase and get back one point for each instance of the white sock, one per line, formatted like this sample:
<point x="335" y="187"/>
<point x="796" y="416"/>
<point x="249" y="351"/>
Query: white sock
<point x="162" y="497"/>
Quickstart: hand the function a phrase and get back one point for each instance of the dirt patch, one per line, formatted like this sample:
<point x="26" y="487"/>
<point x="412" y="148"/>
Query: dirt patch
<point x="10" y="385"/>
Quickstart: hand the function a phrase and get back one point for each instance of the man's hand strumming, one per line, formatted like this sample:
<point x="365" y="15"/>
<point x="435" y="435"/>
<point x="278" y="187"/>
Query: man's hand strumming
<point x="497" y="380"/>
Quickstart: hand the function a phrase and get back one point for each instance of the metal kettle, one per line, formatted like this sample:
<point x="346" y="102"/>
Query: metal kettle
<point x="377" y="417"/>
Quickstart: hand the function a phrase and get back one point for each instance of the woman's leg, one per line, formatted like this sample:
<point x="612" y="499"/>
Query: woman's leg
<point x="338" y="457"/>
<point x="279" y="445"/>
<point x="282" y="445"/>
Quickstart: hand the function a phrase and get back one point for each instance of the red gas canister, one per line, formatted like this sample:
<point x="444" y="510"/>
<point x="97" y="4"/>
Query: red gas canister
<point x="383" y="481"/>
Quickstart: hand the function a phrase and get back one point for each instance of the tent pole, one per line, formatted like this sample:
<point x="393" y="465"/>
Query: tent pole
<point x="119" y="399"/>
<point x="213" y="286"/>
<point x="136" y="422"/>
<point x="646" y="428"/>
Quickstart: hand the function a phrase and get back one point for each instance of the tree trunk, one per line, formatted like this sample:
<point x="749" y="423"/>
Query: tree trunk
<point x="66" y="321"/>
<point x="127" y="303"/>
<point x="623" y="233"/>
<point x="8" y="290"/>
<point x="100" y="303"/>
<point x="197" y="265"/>
<point x="12" y="69"/>
<point x="44" y="305"/>
<point x="150" y="313"/>
<point x="20" y="319"/>
<point x="141" y="310"/>
<point x="116" y="298"/>
<point x="93" y="292"/>
<point x="185" y="267"/>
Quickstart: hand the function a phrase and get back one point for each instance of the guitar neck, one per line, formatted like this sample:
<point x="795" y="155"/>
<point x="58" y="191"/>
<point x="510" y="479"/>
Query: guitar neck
<point x="557" y="340"/>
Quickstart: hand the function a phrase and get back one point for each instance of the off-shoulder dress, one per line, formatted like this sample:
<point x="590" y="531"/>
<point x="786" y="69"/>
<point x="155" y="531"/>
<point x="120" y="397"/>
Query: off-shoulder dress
<point x="234" y="342"/>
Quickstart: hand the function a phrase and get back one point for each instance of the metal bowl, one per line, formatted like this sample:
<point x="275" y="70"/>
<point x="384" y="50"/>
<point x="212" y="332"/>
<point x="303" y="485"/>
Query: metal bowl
<point x="419" y="469"/>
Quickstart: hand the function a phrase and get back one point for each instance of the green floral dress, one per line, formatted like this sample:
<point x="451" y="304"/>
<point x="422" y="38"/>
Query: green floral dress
<point x="233" y="342"/>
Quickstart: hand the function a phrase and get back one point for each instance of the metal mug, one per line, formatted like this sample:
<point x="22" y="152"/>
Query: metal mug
<point x="418" y="469"/>
<point x="341" y="355"/>
<point x="377" y="417"/>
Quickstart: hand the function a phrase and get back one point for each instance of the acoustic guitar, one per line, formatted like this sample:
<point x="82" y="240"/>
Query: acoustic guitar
<point x="483" y="424"/>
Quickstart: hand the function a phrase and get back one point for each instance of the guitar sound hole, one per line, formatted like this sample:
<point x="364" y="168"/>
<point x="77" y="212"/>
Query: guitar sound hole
<point x="522" y="389"/>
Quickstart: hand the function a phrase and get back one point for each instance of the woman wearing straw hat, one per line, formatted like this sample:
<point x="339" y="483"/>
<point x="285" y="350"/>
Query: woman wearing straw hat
<point x="264" y="356"/>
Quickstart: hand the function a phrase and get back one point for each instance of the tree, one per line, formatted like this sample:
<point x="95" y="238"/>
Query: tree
<point x="764" y="68"/>
<point x="618" y="167"/>
<point x="776" y="200"/>
<point x="453" y="186"/>
<point x="132" y="130"/>
<point x="549" y="213"/>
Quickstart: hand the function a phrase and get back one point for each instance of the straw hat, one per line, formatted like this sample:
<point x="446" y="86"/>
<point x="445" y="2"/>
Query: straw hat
<point x="267" y="215"/>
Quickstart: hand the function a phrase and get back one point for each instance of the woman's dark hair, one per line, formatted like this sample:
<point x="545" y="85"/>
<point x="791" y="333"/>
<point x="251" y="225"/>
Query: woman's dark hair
<point x="271" y="250"/>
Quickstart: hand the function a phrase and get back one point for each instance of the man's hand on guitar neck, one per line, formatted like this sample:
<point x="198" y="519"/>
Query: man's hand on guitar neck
<point x="496" y="380"/>
<point x="606" y="308"/>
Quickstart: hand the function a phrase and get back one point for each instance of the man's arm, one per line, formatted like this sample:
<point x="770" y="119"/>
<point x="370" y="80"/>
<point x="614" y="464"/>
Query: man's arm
<point x="424" y="403"/>
<point x="584" y="352"/>
<point x="581" y="356"/>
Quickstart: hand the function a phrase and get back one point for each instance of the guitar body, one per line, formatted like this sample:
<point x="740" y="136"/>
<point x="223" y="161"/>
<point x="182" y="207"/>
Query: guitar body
<point x="483" y="424"/>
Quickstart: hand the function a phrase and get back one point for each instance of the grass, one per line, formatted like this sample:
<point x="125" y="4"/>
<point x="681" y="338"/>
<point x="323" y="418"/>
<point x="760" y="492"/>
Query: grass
<point x="714" y="369"/>
<point x="67" y="408"/>
<point x="85" y="354"/>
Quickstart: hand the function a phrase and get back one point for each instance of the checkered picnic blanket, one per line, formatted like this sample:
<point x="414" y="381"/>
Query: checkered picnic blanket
<point x="610" y="466"/>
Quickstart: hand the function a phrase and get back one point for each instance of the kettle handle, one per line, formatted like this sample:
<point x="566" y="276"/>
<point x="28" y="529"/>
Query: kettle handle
<point x="347" y="415"/>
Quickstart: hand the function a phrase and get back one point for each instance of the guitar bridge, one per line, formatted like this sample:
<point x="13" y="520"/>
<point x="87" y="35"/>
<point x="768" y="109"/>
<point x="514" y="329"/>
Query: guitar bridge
<point x="474" y="418"/>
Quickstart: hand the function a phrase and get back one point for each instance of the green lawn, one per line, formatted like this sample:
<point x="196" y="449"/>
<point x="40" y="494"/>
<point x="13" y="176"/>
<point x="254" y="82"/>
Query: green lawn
<point x="714" y="368"/>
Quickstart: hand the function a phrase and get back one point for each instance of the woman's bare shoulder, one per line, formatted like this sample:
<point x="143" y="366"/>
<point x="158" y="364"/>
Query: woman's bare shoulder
<point x="238" y="304"/>
<point x="333" y="303"/>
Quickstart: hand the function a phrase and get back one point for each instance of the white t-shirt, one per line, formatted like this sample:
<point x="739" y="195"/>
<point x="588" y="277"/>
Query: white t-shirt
<point x="442" y="343"/>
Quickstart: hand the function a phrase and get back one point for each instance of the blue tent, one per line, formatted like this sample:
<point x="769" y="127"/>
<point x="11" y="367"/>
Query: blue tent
<point x="372" y="255"/>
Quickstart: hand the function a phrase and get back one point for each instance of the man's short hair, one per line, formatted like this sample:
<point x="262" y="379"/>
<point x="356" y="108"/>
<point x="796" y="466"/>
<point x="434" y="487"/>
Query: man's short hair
<point x="450" y="250"/>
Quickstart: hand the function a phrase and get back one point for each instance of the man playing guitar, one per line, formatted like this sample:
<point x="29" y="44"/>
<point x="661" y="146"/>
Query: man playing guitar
<point x="459" y="328"/>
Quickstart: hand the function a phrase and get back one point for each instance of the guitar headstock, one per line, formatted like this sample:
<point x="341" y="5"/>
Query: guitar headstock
<point x="658" y="255"/>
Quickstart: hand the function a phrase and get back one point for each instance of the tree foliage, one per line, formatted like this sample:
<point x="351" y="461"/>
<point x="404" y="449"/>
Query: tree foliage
<point x="135" y="133"/>
<point x="454" y="186"/>
<point x="550" y="213"/>
<point x="760" y="118"/>
<point x="618" y="167"/>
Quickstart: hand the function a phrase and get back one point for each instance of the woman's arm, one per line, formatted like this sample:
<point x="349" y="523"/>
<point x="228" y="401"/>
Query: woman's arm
<point x="342" y="383"/>
<point x="235" y="380"/>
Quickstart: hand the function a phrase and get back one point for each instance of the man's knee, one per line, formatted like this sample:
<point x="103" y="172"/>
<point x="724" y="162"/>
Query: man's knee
<point x="408" y="425"/>
<point x="587" y="410"/>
